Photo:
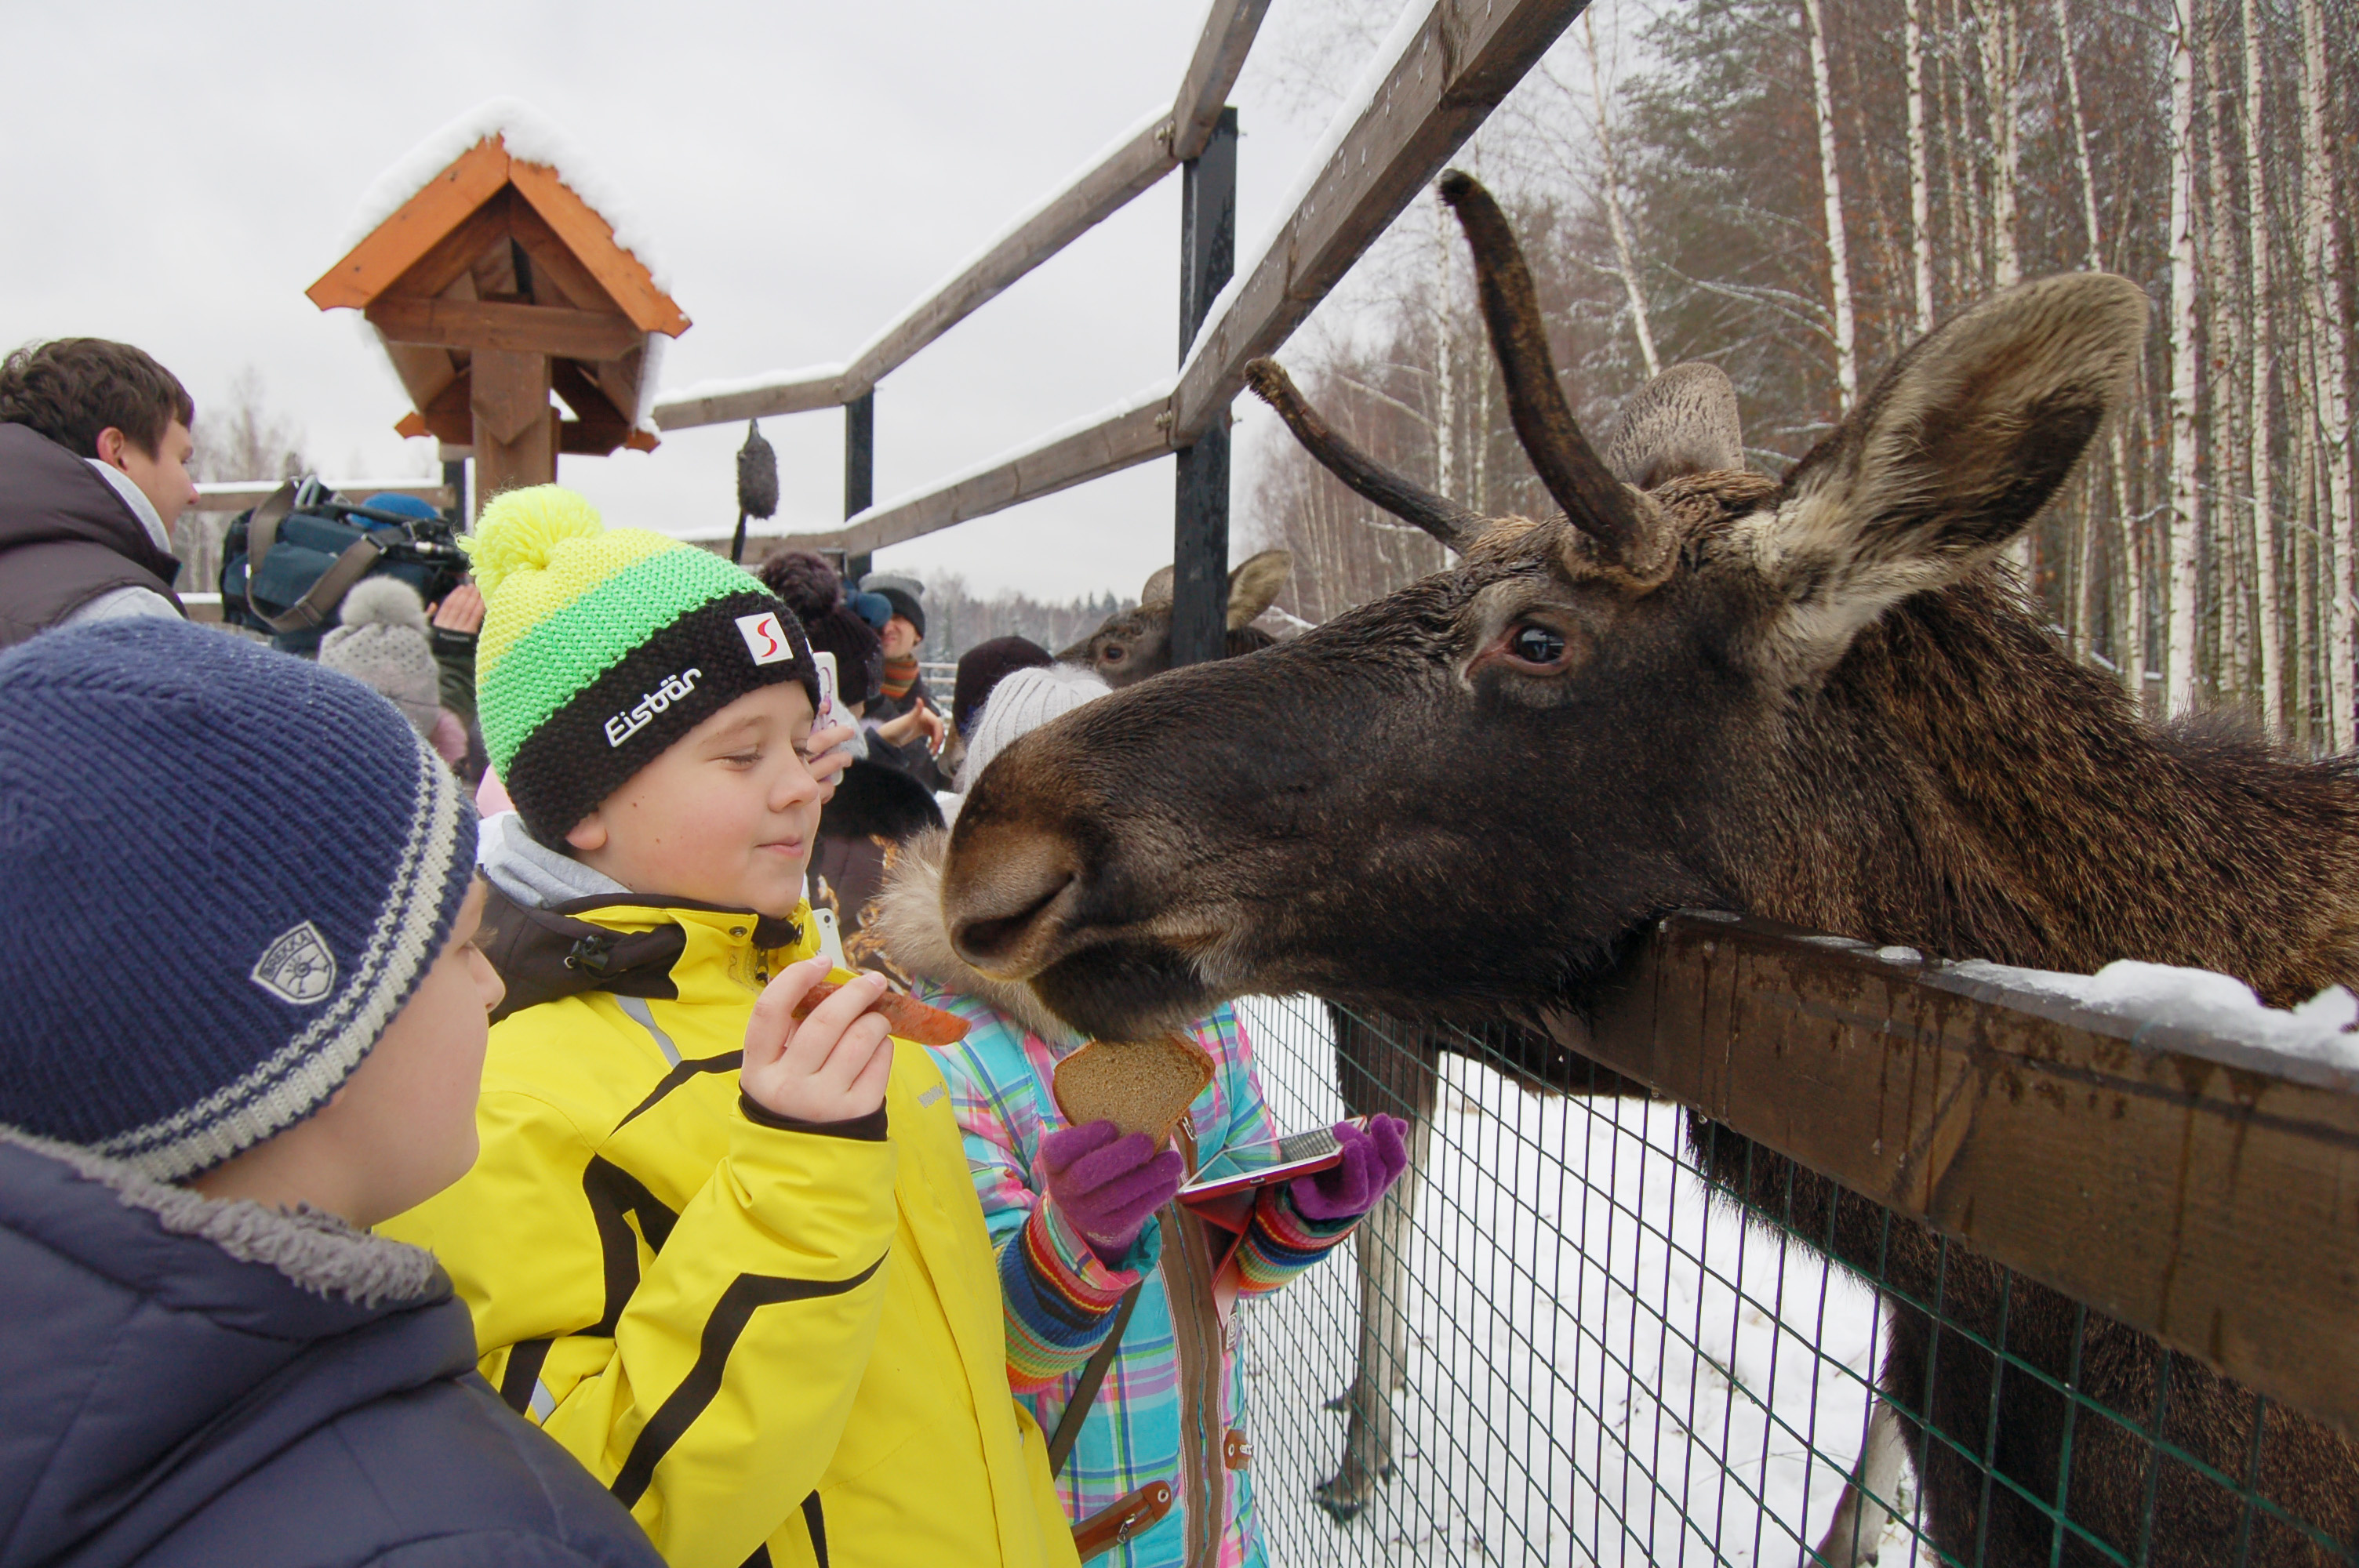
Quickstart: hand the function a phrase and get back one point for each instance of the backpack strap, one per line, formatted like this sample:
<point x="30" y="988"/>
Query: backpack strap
<point x="320" y="601"/>
<point x="1085" y="1393"/>
<point x="261" y="533"/>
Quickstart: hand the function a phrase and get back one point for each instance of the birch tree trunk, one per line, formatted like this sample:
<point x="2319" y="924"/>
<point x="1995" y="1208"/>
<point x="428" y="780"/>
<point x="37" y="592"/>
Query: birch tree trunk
<point x="1920" y="185"/>
<point x="2093" y="258"/>
<point x="1996" y="38"/>
<point x="1838" y="245"/>
<point x="2180" y="599"/>
<point x="2326" y="316"/>
<point x="2259" y="477"/>
<point x="2225" y="342"/>
<point x="2088" y="177"/>
<point x="1613" y="214"/>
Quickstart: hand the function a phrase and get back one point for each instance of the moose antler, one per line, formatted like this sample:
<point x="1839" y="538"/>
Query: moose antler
<point x="1447" y="521"/>
<point x="1594" y="502"/>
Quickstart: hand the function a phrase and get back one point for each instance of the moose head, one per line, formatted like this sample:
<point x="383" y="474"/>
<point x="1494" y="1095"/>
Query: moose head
<point x="1136" y="644"/>
<point x="1811" y="699"/>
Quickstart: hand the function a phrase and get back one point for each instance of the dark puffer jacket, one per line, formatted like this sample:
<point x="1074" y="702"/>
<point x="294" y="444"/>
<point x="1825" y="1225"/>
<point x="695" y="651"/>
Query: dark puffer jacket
<point x="190" y="1382"/>
<point x="65" y="537"/>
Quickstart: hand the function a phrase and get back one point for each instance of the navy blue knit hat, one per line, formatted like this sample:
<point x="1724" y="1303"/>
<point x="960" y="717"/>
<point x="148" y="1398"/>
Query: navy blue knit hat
<point x="224" y="870"/>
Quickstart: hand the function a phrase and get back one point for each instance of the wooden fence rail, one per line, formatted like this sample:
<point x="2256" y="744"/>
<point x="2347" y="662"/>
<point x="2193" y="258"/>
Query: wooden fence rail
<point x="1168" y="136"/>
<point x="2197" y="1186"/>
<point x="1452" y="70"/>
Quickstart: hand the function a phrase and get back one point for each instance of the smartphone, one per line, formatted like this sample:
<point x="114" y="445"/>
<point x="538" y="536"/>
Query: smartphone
<point x="830" y="711"/>
<point x="830" y="936"/>
<point x="1242" y="1170"/>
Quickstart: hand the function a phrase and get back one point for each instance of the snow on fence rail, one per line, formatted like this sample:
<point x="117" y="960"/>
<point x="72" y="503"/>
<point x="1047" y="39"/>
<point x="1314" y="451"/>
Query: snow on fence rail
<point x="1606" y="1360"/>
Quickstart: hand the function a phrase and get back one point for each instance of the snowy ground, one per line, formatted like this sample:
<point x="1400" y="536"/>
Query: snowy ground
<point x="1604" y="1366"/>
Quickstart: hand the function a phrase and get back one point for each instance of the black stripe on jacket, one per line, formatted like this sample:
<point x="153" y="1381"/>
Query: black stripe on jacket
<point x="735" y="1309"/>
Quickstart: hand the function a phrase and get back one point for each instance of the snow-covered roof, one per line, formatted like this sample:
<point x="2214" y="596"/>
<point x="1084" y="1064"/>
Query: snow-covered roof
<point x="528" y="135"/>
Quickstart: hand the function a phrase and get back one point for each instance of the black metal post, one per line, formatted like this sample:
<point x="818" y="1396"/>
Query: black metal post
<point x="1200" y="514"/>
<point x="454" y="474"/>
<point x="859" y="472"/>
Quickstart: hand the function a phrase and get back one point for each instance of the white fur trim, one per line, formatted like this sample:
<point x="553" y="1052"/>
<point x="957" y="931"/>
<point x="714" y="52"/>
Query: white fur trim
<point x="317" y="1251"/>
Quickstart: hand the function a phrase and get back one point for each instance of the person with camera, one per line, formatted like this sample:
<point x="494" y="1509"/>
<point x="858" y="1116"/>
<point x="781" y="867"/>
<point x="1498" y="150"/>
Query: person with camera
<point x="94" y="450"/>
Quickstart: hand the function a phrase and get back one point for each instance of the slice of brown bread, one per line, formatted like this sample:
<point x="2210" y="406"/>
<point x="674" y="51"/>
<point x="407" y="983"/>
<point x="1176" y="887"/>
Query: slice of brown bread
<point x="1139" y="1085"/>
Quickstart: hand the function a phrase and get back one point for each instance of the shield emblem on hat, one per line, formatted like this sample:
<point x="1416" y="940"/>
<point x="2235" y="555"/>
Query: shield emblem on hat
<point x="297" y="967"/>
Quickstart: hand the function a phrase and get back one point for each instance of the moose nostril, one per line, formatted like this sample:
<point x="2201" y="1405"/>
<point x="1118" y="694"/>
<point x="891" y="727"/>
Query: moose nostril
<point x="997" y="937"/>
<point x="1002" y="893"/>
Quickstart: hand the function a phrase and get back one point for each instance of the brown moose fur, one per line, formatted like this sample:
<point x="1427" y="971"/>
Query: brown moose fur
<point x="1825" y="704"/>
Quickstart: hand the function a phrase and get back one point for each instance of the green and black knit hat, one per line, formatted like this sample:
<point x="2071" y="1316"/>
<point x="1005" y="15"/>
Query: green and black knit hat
<point x="601" y="646"/>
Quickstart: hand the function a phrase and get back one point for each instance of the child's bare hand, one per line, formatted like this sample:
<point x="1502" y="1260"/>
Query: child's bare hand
<point x="830" y="1067"/>
<point x="828" y="756"/>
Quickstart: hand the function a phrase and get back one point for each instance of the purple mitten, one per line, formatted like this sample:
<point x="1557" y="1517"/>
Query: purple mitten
<point x="1107" y="1184"/>
<point x="1373" y="1161"/>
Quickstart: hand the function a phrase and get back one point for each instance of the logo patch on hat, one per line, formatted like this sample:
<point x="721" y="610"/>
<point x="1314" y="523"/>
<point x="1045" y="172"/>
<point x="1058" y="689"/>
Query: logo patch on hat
<point x="298" y="967"/>
<point x="765" y="638"/>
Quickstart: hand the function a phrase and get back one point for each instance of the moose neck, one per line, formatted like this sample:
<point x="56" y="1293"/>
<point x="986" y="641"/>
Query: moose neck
<point x="1961" y="785"/>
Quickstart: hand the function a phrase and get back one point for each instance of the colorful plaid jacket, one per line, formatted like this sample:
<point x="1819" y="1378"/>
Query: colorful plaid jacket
<point x="1143" y="1426"/>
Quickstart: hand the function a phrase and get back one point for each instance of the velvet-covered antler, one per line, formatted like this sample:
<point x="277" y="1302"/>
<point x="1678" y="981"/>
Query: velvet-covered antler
<point x="1447" y="521"/>
<point x="1594" y="502"/>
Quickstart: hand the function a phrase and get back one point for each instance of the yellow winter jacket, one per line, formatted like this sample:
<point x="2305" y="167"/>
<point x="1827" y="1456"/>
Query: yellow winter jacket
<point x="756" y="1336"/>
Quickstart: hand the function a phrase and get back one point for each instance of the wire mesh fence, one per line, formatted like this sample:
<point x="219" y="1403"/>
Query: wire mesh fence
<point x="1576" y="1350"/>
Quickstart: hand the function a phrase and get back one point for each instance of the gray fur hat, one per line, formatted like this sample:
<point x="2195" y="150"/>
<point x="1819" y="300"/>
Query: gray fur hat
<point x="381" y="643"/>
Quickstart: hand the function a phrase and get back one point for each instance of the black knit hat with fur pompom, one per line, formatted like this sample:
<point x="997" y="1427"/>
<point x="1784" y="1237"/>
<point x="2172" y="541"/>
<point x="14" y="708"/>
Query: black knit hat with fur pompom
<point x="815" y="593"/>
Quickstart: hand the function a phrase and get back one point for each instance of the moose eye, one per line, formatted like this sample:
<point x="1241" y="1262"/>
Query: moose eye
<point x="1114" y="654"/>
<point x="1535" y="645"/>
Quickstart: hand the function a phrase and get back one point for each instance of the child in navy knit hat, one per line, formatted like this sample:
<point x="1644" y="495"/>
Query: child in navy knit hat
<point x="243" y="1020"/>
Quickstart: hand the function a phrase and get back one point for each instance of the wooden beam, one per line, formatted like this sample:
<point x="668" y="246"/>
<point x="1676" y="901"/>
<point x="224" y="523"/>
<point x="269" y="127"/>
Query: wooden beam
<point x="1464" y="58"/>
<point x="579" y="438"/>
<point x="1097" y="195"/>
<point x="557" y="276"/>
<point x="2201" y="1188"/>
<point x="1461" y="63"/>
<point x="515" y="425"/>
<point x="476" y="324"/>
<point x="424" y="370"/>
<point x="758" y="398"/>
<point x="394" y="246"/>
<point x="236" y="496"/>
<point x="1220" y="50"/>
<point x="621" y="274"/>
<point x="1131" y="436"/>
<point x="620" y="380"/>
<point x="1105" y="190"/>
<point x="453" y="256"/>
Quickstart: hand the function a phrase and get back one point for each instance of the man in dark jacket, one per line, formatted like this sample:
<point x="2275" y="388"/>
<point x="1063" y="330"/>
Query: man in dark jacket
<point x="94" y="450"/>
<point x="209" y="1359"/>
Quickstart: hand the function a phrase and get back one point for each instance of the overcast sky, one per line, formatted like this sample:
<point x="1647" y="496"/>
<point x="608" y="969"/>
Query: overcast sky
<point x="178" y="175"/>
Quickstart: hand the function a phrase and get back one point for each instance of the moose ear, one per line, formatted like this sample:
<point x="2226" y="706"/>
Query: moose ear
<point x="1254" y="586"/>
<point x="1953" y="454"/>
<point x="1682" y="422"/>
<point x="1158" y="589"/>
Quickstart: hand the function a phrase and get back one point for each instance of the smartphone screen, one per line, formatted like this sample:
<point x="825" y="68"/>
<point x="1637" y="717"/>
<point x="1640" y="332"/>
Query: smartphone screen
<point x="1263" y="1163"/>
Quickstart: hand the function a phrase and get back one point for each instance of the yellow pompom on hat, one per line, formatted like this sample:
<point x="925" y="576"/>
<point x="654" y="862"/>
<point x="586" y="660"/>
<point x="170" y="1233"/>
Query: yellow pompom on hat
<point x="601" y="646"/>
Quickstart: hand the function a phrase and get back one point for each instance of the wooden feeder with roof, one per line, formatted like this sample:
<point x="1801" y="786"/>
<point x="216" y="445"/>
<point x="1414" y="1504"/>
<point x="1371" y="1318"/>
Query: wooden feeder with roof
<point x="495" y="285"/>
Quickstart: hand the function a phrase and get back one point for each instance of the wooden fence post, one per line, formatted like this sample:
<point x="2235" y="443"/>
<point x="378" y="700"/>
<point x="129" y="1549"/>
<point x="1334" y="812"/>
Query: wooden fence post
<point x="859" y="473"/>
<point x="516" y="425"/>
<point x="1200" y="519"/>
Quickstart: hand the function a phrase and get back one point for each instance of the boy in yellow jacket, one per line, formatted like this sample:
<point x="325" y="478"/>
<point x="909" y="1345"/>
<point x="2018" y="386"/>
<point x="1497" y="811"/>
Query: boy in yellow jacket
<point x="733" y="1262"/>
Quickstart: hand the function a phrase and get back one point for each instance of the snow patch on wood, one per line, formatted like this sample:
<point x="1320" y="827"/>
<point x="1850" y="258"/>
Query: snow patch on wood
<point x="530" y="136"/>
